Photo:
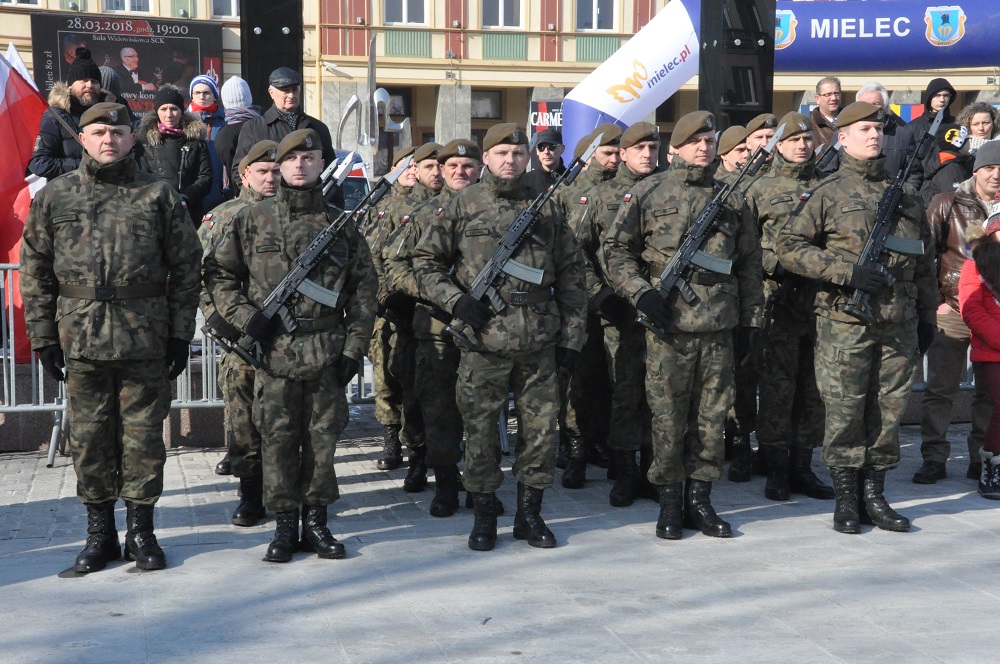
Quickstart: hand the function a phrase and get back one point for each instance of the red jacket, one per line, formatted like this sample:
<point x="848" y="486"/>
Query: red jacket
<point x="981" y="313"/>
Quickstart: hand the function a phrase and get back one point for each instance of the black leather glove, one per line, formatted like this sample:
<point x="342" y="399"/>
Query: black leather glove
<point x="925" y="336"/>
<point x="177" y="355"/>
<point x="655" y="307"/>
<point x="401" y="305"/>
<point x="615" y="309"/>
<point x="472" y="312"/>
<point x="347" y="370"/>
<point x="53" y="361"/>
<point x="747" y="340"/>
<point x="869" y="280"/>
<point x="262" y="329"/>
<point x="567" y="358"/>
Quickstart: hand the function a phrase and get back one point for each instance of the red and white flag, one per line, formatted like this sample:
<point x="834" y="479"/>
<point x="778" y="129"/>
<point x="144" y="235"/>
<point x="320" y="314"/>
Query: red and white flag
<point x="21" y="109"/>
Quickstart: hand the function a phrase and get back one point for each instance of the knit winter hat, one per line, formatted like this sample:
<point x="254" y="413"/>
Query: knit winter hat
<point x="201" y="79"/>
<point x="992" y="224"/>
<point x="236" y="93"/>
<point x="83" y="68"/>
<point x="111" y="81"/>
<point x="168" y="94"/>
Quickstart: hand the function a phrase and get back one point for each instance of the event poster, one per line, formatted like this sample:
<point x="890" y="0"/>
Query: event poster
<point x="146" y="52"/>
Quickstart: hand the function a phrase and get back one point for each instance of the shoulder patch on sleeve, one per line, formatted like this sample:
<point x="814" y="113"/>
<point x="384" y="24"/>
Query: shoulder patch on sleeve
<point x="438" y="211"/>
<point x="627" y="197"/>
<point x="806" y="195"/>
<point x="583" y="200"/>
<point x="381" y="214"/>
<point x="405" y="219"/>
<point x="207" y="217"/>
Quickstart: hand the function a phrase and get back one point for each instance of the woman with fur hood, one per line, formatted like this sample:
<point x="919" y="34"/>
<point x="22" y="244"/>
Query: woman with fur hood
<point x="174" y="149"/>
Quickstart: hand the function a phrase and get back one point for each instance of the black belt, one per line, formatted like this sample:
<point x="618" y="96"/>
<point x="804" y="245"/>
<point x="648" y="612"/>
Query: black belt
<point x="524" y="298"/>
<point x="317" y="324"/>
<point x="109" y="293"/>
<point x="709" y="278"/>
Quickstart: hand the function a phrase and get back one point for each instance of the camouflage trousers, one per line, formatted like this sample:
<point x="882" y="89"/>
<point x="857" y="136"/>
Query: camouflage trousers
<point x="689" y="378"/>
<point x="236" y="380"/>
<point x="631" y="419"/>
<point x="116" y="411"/>
<point x="434" y="386"/>
<point x="584" y="394"/>
<point x="864" y="374"/>
<point x="392" y="357"/>
<point x="791" y="410"/>
<point x="483" y="383"/>
<point x="300" y="422"/>
<point x="742" y="417"/>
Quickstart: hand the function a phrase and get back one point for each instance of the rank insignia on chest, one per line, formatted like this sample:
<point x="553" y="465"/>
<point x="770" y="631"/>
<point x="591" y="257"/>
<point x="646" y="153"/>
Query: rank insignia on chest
<point x="627" y="198"/>
<point x="438" y="211"/>
<point x="806" y="195"/>
<point x="583" y="200"/>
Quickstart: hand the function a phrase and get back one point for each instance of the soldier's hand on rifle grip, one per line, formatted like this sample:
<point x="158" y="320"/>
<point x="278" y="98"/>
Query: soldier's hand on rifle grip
<point x="614" y="308"/>
<point x="177" y="355"/>
<point x="262" y="329"/>
<point x="925" y="336"/>
<point x="567" y="359"/>
<point x="347" y="370"/>
<point x="655" y="307"/>
<point x="473" y="312"/>
<point x="401" y="304"/>
<point x="870" y="280"/>
<point x="53" y="361"/>
<point x="747" y="343"/>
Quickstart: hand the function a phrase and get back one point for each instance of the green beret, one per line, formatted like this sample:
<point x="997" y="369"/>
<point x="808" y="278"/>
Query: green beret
<point x="505" y="132"/>
<point x="107" y="113"/>
<point x="858" y="111"/>
<point x="732" y="138"/>
<point x="795" y="124"/>
<point x="693" y="123"/>
<point x="637" y="133"/>
<point x="762" y="121"/>
<point x="610" y="135"/>
<point x="261" y="151"/>
<point x="300" y="140"/>
<point x="426" y="151"/>
<point x="460" y="147"/>
<point x="402" y="154"/>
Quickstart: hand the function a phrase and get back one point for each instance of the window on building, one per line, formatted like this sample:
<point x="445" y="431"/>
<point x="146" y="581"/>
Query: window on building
<point x="404" y="11"/>
<point x="18" y="2"/>
<point x="595" y="15"/>
<point x="225" y="7"/>
<point x="485" y="104"/>
<point x="126" y="5"/>
<point x="501" y="13"/>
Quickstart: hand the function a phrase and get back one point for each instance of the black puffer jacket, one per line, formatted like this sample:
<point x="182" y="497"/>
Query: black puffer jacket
<point x="182" y="161"/>
<point x="57" y="151"/>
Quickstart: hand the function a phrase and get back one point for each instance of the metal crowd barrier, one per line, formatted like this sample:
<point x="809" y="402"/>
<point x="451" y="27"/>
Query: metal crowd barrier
<point x="27" y="389"/>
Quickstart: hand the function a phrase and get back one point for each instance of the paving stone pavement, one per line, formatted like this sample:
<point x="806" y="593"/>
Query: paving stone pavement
<point x="786" y="588"/>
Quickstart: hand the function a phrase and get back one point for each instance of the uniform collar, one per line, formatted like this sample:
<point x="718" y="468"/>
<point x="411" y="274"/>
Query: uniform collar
<point x="804" y="171"/>
<point x="691" y="174"/>
<point x="116" y="172"/>
<point x="869" y="169"/>
<point x="306" y="200"/>
<point x="512" y="189"/>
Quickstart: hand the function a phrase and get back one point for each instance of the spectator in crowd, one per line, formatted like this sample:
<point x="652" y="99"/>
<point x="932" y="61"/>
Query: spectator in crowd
<point x="953" y="164"/>
<point x="174" y="149"/>
<point x="238" y="102"/>
<point x="938" y="94"/>
<point x="204" y="95"/>
<point x="896" y="140"/>
<point x="981" y="120"/>
<point x="828" y="105"/>
<point x="549" y="150"/>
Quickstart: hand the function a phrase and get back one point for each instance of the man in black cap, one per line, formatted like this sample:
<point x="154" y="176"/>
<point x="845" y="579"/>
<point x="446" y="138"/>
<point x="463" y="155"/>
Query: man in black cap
<point x="549" y="149"/>
<point x="57" y="150"/>
<point x="284" y="117"/>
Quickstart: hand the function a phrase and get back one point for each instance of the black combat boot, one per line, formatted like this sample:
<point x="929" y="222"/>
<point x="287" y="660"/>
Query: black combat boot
<point x="224" y="467"/>
<point x="597" y="454"/>
<point x="416" y="473"/>
<point x="802" y="479"/>
<point x="446" y="485"/>
<point x="286" y="537"/>
<point x="877" y="511"/>
<point x="102" y="540"/>
<point x="670" y="524"/>
<point x="528" y="523"/>
<point x="140" y="542"/>
<point x="575" y="474"/>
<point x="622" y="494"/>
<point x="470" y="502"/>
<point x="484" y="529"/>
<point x="392" y="449"/>
<point x="562" y="452"/>
<point x="251" y="508"/>
<point x="742" y="457"/>
<point x="776" y="487"/>
<point x="316" y="536"/>
<point x="845" y="489"/>
<point x="700" y="515"/>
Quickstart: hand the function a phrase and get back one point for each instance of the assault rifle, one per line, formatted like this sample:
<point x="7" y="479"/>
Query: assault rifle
<point x="335" y="174"/>
<point x="689" y="255"/>
<point x="296" y="282"/>
<point x="487" y="283"/>
<point x="825" y="155"/>
<point x="880" y="240"/>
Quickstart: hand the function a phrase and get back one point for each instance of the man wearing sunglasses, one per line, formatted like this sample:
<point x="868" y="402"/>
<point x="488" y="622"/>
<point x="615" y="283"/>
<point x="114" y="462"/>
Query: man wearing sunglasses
<point x="548" y="149"/>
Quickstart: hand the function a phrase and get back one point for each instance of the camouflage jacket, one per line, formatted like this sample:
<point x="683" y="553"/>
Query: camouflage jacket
<point x="824" y="239"/>
<point x="567" y="197"/>
<point x="210" y="233"/>
<point x="257" y="250"/>
<point x="651" y="224"/>
<point x="371" y="221"/>
<point x="455" y="248"/>
<point x="389" y="219"/>
<point x="109" y="226"/>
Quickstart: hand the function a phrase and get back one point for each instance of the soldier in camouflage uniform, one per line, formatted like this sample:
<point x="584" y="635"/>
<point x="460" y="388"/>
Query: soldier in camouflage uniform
<point x="388" y="393"/>
<point x="397" y="308"/>
<point x="864" y="372"/>
<point x="98" y="247"/>
<point x="790" y="423"/>
<point x="540" y="330"/>
<point x="436" y="356"/>
<point x="689" y="370"/>
<point x="299" y="405"/>
<point x="624" y="339"/>
<point x="260" y="177"/>
<point x="733" y="153"/>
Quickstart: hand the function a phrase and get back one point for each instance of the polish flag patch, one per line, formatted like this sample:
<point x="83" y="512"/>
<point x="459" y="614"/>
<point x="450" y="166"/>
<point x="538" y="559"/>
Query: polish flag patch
<point x="438" y="211"/>
<point x="406" y="218"/>
<point x="806" y="195"/>
<point x="583" y="200"/>
<point x="628" y="197"/>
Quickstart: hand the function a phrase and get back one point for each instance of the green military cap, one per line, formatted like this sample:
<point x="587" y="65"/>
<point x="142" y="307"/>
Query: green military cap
<point x="261" y="151"/>
<point x="426" y="151"/>
<point x="637" y="133"/>
<point x="795" y="123"/>
<point x="697" y="122"/>
<point x="460" y="147"/>
<point x="762" y="121"/>
<point x="403" y="154"/>
<point x="611" y="134"/>
<point x="298" y="141"/>
<point x="732" y="138"/>
<point x="107" y="113"/>
<point x="858" y="111"/>
<point x="505" y="132"/>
